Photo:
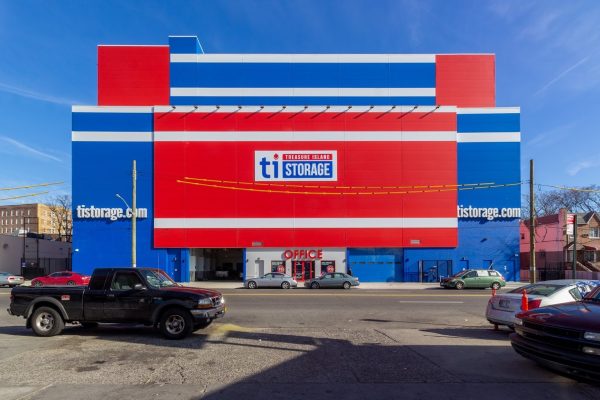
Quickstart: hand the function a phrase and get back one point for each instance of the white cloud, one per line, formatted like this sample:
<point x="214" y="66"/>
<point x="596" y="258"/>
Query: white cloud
<point x="28" y="149"/>
<point x="30" y="94"/>
<point x="561" y="75"/>
<point x="577" y="167"/>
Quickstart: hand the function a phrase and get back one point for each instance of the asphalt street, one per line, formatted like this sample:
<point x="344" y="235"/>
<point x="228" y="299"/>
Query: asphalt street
<point x="294" y="344"/>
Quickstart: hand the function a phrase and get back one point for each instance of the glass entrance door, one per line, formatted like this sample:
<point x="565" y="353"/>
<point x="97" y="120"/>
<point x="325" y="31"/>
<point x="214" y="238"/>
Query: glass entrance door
<point x="303" y="270"/>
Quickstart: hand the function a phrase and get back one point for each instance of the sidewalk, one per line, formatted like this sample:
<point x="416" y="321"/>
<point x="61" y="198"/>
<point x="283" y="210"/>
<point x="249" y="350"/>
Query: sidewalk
<point x="363" y="285"/>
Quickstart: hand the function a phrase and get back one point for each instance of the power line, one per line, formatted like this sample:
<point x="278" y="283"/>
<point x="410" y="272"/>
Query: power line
<point x="25" y="195"/>
<point x="247" y="189"/>
<point x="31" y="186"/>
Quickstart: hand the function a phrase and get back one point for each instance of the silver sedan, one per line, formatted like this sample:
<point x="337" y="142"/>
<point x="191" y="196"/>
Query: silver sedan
<point x="335" y="280"/>
<point x="8" y="279"/>
<point x="272" y="280"/>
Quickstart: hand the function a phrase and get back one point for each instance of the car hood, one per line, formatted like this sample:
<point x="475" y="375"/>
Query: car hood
<point x="191" y="290"/>
<point x="582" y="315"/>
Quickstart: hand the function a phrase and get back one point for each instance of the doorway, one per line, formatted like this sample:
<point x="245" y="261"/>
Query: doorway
<point x="216" y="264"/>
<point x="303" y="270"/>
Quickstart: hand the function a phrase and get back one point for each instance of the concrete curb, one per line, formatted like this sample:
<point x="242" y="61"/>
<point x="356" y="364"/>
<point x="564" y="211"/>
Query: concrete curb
<point x="363" y="286"/>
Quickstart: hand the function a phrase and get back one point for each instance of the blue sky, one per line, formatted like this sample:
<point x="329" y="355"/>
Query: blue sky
<point x="547" y="62"/>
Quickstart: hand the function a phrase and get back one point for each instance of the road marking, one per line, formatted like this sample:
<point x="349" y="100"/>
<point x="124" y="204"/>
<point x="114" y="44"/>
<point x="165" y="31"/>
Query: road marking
<point x="430" y="302"/>
<point x="354" y="295"/>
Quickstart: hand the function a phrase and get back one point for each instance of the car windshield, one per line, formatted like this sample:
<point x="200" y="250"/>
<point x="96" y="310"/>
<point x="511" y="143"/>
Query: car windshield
<point x="158" y="278"/>
<point x="539" y="289"/>
<point x="459" y="274"/>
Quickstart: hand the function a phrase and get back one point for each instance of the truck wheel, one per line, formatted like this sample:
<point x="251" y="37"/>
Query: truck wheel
<point x="176" y="323"/>
<point x="46" y="321"/>
<point x="202" y="325"/>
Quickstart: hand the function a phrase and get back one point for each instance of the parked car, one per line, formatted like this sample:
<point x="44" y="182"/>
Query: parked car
<point x="474" y="278"/>
<point x="563" y="337"/>
<point x="11" y="280"/>
<point x="61" y="279"/>
<point x="119" y="295"/>
<point x="335" y="280"/>
<point x="272" y="280"/>
<point x="502" y="308"/>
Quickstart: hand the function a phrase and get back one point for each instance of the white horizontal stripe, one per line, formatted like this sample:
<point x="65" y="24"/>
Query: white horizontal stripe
<point x="101" y="109"/>
<point x="295" y="109"/>
<point x="489" y="110"/>
<point x="303" y="92"/>
<point x="488" y="137"/>
<point x="306" y="136"/>
<point x="321" y="223"/>
<point x="304" y="58"/>
<point x="81" y="136"/>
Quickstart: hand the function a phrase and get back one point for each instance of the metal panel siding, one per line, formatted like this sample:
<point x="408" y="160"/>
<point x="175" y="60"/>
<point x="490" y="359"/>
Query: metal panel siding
<point x="359" y="163"/>
<point x="466" y="80"/>
<point x="184" y="45"/>
<point x="112" y="122"/>
<point x="489" y="122"/>
<point x="376" y="265"/>
<point x="101" y="170"/>
<point x="133" y="75"/>
<point x="303" y="75"/>
<point x="302" y="100"/>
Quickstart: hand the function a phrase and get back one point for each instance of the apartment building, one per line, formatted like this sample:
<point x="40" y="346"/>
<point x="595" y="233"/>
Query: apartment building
<point x="35" y="217"/>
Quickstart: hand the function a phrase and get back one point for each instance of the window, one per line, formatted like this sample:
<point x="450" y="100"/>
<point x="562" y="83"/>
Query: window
<point x="589" y="256"/>
<point x="125" y="281"/>
<point x="472" y="274"/>
<point x="595" y="233"/>
<point x="493" y="273"/>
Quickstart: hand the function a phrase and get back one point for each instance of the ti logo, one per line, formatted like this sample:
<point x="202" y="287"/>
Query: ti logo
<point x="295" y="165"/>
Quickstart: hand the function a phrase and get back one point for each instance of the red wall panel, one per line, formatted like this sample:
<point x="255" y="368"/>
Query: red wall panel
<point x="396" y="165"/>
<point x="133" y="75"/>
<point x="466" y="80"/>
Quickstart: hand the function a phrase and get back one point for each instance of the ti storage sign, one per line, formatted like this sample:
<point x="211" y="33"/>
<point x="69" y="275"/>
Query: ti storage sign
<point x="113" y="214"/>
<point x="295" y="165"/>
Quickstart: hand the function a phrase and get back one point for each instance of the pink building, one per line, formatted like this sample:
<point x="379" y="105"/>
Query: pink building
<point x="554" y="246"/>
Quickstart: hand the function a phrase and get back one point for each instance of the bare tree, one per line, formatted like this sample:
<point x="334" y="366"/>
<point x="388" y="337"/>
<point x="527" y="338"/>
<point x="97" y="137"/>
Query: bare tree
<point x="60" y="210"/>
<point x="548" y="202"/>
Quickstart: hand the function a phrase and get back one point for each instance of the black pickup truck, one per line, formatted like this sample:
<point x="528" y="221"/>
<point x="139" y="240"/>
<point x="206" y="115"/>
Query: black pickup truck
<point x="119" y="295"/>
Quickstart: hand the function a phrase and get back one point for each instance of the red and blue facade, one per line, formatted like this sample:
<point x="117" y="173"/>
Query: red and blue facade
<point x="405" y="139"/>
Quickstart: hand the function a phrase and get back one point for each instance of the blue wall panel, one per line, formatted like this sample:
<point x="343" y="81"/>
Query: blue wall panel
<point x="112" y="122"/>
<point x="102" y="169"/>
<point x="489" y="122"/>
<point x="303" y="75"/>
<point x="376" y="265"/>
<point x="301" y="101"/>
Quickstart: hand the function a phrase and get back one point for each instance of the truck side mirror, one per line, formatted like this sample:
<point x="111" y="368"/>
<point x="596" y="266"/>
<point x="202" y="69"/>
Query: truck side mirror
<point x="139" y="286"/>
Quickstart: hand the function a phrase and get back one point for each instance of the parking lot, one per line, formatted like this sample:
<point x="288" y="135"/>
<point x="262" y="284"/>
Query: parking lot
<point x="288" y="344"/>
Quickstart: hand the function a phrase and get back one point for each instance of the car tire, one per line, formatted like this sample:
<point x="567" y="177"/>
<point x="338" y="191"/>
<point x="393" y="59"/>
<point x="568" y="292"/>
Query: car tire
<point x="346" y="285"/>
<point x="496" y="286"/>
<point x="175" y="323"/>
<point x="202" y="325"/>
<point x="71" y="283"/>
<point x="459" y="286"/>
<point x="285" y="285"/>
<point x="252" y="285"/>
<point x="46" y="321"/>
<point x="38" y="284"/>
<point x="314" y="285"/>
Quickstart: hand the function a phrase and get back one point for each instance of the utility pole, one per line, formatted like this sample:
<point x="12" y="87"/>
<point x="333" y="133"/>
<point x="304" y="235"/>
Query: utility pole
<point x="133" y="217"/>
<point x="532" y="273"/>
<point x="574" y="275"/>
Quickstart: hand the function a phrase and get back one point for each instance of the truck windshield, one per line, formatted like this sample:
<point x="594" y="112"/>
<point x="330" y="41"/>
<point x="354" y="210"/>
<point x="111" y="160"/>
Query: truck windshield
<point x="158" y="278"/>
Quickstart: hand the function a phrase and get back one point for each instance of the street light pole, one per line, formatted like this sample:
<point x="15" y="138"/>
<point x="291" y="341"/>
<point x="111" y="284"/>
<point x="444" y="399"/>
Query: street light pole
<point x="133" y="217"/>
